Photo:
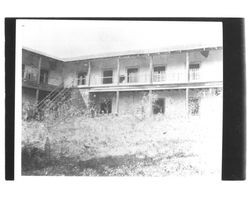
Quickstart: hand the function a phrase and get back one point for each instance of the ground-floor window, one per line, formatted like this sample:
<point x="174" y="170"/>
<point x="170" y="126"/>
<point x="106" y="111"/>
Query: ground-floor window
<point x="194" y="106"/>
<point x="106" y="107"/>
<point x="159" y="106"/>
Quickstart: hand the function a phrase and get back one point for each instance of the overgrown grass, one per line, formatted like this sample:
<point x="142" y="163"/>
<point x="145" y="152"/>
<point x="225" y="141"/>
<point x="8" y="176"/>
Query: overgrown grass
<point x="119" y="146"/>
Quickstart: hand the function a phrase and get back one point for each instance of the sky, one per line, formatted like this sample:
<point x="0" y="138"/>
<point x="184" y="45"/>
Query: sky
<point x="73" y="38"/>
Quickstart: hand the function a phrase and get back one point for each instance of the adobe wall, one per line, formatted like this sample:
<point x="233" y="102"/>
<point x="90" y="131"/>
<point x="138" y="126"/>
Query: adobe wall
<point x="132" y="102"/>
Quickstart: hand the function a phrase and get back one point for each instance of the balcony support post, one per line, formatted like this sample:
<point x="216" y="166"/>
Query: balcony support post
<point x="187" y="66"/>
<point x="150" y="69"/>
<point x="187" y="103"/>
<point x="39" y="70"/>
<point x="38" y="78"/>
<point x="118" y="71"/>
<point x="117" y="102"/>
<point x="150" y="103"/>
<point x="89" y="73"/>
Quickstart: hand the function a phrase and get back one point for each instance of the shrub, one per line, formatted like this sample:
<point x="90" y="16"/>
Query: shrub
<point x="28" y="111"/>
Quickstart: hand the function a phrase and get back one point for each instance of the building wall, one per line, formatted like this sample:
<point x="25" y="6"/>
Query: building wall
<point x="140" y="62"/>
<point x="175" y="102"/>
<point x="55" y="76"/>
<point x="211" y="101"/>
<point x="134" y="102"/>
<point x="174" y="63"/>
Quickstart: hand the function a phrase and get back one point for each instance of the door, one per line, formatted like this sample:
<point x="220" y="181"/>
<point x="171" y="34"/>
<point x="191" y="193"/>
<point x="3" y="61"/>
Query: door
<point x="106" y="107"/>
<point x="44" y="77"/>
<point x="159" y="106"/>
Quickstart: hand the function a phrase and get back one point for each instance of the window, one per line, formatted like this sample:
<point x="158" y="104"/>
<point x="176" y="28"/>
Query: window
<point x="132" y="75"/>
<point x="81" y="79"/>
<point x="30" y="76"/>
<point x="159" y="73"/>
<point x="106" y="107"/>
<point x="194" y="106"/>
<point x="44" y="77"/>
<point x="159" y="106"/>
<point x="23" y="70"/>
<point x="107" y="76"/>
<point x="194" y="72"/>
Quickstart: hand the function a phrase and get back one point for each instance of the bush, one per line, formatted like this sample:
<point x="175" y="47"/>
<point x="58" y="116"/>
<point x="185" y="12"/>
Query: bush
<point x="28" y="111"/>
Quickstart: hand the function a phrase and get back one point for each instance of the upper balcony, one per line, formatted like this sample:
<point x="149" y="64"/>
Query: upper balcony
<point x="143" y="81"/>
<point x="133" y="79"/>
<point x="30" y="80"/>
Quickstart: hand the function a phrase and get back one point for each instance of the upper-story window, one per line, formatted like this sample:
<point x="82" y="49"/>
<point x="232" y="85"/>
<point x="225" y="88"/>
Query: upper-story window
<point x="81" y="80"/>
<point x="194" y="72"/>
<point x="44" y="74"/>
<point x="107" y="77"/>
<point x="159" y="73"/>
<point x="29" y="73"/>
<point x="30" y="76"/>
<point x="132" y="74"/>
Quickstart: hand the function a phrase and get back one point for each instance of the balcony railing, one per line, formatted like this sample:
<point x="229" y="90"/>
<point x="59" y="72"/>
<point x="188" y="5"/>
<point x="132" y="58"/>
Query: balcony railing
<point x="194" y="75"/>
<point x="169" y="77"/>
<point x="32" y="82"/>
<point x="142" y="78"/>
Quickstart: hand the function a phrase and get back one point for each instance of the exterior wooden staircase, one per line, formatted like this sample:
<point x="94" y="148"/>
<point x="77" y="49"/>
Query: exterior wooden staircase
<point x="61" y="103"/>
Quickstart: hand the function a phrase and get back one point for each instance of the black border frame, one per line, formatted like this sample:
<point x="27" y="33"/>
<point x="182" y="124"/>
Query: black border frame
<point x="234" y="93"/>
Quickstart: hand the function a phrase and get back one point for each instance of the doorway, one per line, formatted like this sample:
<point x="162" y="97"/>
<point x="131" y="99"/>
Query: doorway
<point x="159" y="106"/>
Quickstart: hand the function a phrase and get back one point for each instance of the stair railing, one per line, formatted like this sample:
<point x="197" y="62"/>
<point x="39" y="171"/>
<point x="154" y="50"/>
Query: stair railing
<point x="50" y="94"/>
<point x="53" y="92"/>
<point x="62" y="92"/>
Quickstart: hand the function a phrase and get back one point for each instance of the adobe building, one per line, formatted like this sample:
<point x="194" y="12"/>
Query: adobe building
<point x="172" y="82"/>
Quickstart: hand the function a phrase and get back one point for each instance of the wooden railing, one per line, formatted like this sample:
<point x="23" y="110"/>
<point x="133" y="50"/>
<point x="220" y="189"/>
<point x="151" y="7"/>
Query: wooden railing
<point x="137" y="78"/>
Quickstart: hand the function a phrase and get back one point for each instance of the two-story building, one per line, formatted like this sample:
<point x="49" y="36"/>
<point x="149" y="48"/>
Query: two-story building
<point x="172" y="82"/>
